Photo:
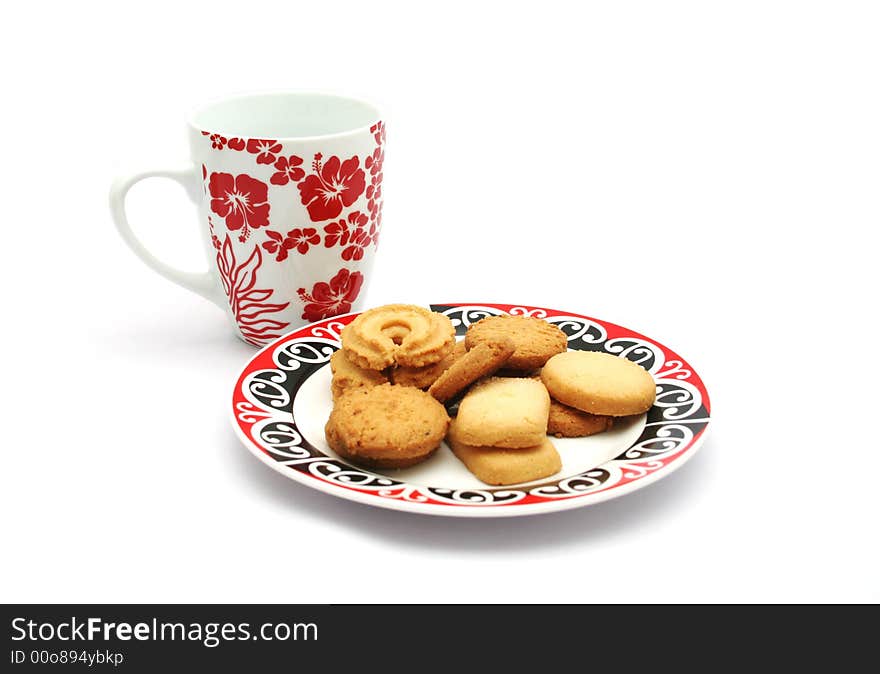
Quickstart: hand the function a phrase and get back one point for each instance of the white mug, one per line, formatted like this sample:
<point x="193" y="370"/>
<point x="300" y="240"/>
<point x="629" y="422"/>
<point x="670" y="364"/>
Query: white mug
<point x="289" y="194"/>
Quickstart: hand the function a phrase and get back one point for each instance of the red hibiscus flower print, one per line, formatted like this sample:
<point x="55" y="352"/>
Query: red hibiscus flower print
<point x="374" y="194"/>
<point x="374" y="190"/>
<point x="217" y="141"/>
<point x="333" y="298"/>
<point x="332" y="187"/>
<point x="374" y="161"/>
<point x="277" y="244"/>
<point x="264" y="149"/>
<point x="360" y="239"/>
<point x="296" y="239"/>
<point x="378" y="131"/>
<point x="374" y="200"/>
<point x="303" y="238"/>
<point x="288" y="170"/>
<point x="235" y="144"/>
<point x="336" y="232"/>
<point x="241" y="200"/>
<point x="340" y="232"/>
<point x="376" y="225"/>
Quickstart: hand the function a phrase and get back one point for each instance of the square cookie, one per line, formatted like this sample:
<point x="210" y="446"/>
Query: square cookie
<point x="504" y="412"/>
<point x="506" y="466"/>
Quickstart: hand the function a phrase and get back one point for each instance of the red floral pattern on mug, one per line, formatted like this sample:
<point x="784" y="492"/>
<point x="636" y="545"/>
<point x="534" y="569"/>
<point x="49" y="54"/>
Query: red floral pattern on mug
<point x="360" y="239"/>
<point x="214" y="240"/>
<point x="235" y="144"/>
<point x="241" y="200"/>
<point x="264" y="149"/>
<point x="333" y="298"/>
<point x="376" y="226"/>
<point x="375" y="164"/>
<point x="296" y="239"/>
<point x="340" y="232"/>
<point x="374" y="197"/>
<point x="288" y="170"/>
<point x="249" y="304"/>
<point x="277" y="243"/>
<point x="332" y="187"/>
<point x="217" y="141"/>
<point x="375" y="161"/>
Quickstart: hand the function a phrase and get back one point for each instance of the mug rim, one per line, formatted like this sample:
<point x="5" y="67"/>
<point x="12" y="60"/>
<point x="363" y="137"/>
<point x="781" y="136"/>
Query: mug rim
<point x="377" y="116"/>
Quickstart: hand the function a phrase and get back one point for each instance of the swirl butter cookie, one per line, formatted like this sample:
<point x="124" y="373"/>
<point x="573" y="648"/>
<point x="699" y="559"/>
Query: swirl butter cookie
<point x="599" y="383"/>
<point x="398" y="334"/>
<point x="386" y="426"/>
<point x="423" y="377"/>
<point x="535" y="340"/>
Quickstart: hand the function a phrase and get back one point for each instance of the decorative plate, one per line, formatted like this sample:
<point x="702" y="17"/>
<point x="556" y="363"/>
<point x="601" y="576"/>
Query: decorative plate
<point x="282" y="400"/>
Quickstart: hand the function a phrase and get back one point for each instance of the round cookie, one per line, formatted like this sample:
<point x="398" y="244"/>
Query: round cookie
<point x="347" y="375"/>
<point x="334" y="443"/>
<point x="599" y="383"/>
<point x="423" y="377"/>
<point x="568" y="422"/>
<point x="535" y="340"/>
<point x="386" y="426"/>
<point x="398" y="334"/>
<point x="480" y="361"/>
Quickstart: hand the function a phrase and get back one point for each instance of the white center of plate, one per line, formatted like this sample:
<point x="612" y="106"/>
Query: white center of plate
<point x="313" y="404"/>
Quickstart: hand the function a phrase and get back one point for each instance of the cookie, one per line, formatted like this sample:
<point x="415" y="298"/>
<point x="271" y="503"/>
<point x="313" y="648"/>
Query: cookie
<point x="347" y="375"/>
<point x="504" y="412"/>
<point x="480" y="361"/>
<point x="599" y="383"/>
<point x="386" y="426"/>
<point x="568" y="422"/>
<point x="398" y="334"/>
<point x="388" y="463"/>
<point x="423" y="377"/>
<point x="535" y="340"/>
<point x="505" y="466"/>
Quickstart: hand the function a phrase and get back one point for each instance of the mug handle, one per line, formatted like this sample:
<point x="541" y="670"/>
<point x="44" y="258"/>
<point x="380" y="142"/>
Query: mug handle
<point x="202" y="283"/>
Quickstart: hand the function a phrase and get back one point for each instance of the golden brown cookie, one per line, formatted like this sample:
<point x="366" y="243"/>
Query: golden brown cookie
<point x="568" y="422"/>
<point x="386" y="426"/>
<point x="599" y="383"/>
<point x="504" y="412"/>
<point x="339" y="448"/>
<point x="423" y="377"/>
<point x="347" y="375"/>
<point x="505" y="466"/>
<point x="535" y="340"/>
<point x="398" y="334"/>
<point x="480" y="361"/>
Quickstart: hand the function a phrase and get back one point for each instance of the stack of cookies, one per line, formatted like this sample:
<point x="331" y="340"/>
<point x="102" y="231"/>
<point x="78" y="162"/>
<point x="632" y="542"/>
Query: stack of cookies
<point x="511" y="376"/>
<point x="381" y="416"/>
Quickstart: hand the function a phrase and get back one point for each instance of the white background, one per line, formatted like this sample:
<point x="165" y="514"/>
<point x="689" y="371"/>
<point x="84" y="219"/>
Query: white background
<point x="704" y="173"/>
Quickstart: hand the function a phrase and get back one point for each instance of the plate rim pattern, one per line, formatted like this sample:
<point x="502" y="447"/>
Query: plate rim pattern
<point x="676" y="426"/>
